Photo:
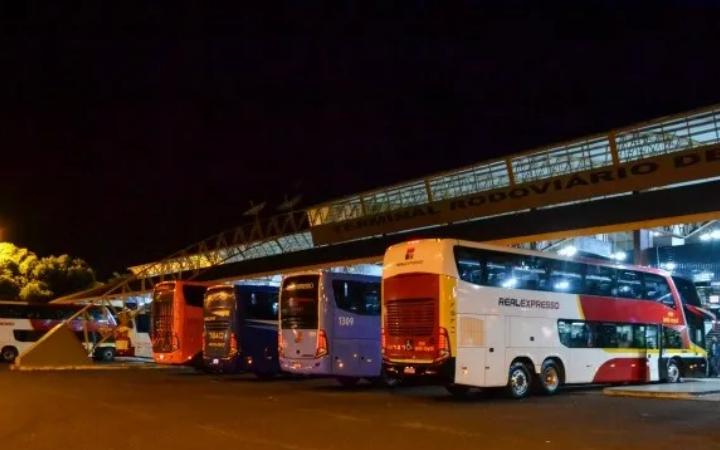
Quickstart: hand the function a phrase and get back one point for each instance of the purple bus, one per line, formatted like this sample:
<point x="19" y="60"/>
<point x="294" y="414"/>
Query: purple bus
<point x="330" y="326"/>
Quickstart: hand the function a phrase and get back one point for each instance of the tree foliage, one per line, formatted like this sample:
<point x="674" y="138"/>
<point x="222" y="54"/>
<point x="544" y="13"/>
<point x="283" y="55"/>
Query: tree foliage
<point x="25" y="276"/>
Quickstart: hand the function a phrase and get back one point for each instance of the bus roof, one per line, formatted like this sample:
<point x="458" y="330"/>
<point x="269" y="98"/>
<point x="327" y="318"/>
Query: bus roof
<point x="164" y="284"/>
<point x="522" y="251"/>
<point x="346" y="275"/>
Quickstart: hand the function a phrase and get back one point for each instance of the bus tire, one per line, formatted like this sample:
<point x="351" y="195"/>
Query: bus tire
<point x="458" y="390"/>
<point x="9" y="354"/>
<point x="519" y="380"/>
<point x="550" y="378"/>
<point x="105" y="354"/>
<point x="348" y="381"/>
<point x="673" y="371"/>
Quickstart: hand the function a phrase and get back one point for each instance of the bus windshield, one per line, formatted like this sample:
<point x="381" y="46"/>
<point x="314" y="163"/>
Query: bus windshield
<point x="299" y="302"/>
<point x="164" y="295"/>
<point x="219" y="303"/>
<point x="688" y="293"/>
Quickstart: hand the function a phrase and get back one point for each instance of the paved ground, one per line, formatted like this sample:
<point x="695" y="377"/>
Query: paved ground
<point x="151" y="409"/>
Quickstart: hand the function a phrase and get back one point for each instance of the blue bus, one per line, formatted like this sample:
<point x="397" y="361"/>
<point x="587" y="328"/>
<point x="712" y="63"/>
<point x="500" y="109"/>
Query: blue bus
<point x="240" y="329"/>
<point x="330" y="325"/>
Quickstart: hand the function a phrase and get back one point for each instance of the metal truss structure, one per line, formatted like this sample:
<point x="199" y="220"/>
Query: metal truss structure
<point x="290" y="232"/>
<point x="658" y="137"/>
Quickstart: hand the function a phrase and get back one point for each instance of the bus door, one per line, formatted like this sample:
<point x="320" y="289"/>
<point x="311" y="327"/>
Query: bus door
<point x="653" y="353"/>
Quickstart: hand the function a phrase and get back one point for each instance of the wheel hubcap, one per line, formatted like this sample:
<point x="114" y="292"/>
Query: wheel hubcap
<point x="518" y="381"/>
<point x="673" y="372"/>
<point x="551" y="378"/>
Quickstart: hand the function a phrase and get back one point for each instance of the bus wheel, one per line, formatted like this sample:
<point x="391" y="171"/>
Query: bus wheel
<point x="105" y="354"/>
<point x="9" y="354"/>
<point x="549" y="380"/>
<point x="519" y="381"/>
<point x="348" y="381"/>
<point x="458" y="390"/>
<point x="673" y="372"/>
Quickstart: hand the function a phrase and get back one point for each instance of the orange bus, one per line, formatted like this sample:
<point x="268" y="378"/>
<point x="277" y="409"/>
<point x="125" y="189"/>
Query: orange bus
<point x="177" y="322"/>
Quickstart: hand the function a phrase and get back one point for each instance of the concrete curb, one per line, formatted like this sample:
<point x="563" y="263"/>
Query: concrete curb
<point x="615" y="392"/>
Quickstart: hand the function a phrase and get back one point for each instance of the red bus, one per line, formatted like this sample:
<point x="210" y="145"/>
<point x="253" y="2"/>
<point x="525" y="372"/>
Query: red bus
<point x="177" y="322"/>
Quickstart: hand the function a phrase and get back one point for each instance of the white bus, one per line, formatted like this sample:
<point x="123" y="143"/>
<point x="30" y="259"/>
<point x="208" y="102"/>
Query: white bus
<point x="479" y="315"/>
<point x="21" y="324"/>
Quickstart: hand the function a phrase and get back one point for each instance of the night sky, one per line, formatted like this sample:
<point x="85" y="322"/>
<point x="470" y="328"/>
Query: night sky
<point x="128" y="134"/>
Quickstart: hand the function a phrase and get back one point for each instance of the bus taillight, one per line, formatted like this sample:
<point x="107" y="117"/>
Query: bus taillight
<point x="281" y="344"/>
<point x="443" y="344"/>
<point x="233" y="344"/>
<point x="382" y="340"/>
<point x="322" y="346"/>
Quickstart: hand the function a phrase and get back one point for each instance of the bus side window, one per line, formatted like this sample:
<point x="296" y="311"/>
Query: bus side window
<point x="575" y="334"/>
<point x="599" y="280"/>
<point x="357" y="297"/>
<point x="142" y="323"/>
<point x="469" y="265"/>
<point x="581" y="334"/>
<point x="530" y="272"/>
<point x="498" y="274"/>
<point x="566" y="276"/>
<point x="27" y="335"/>
<point x="194" y="295"/>
<point x="13" y="311"/>
<point x="657" y="289"/>
<point x="629" y="285"/>
<point x="261" y="305"/>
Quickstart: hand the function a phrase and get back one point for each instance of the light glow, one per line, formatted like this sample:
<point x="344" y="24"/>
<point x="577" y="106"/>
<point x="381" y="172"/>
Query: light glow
<point x="619" y="256"/>
<point x="569" y="251"/>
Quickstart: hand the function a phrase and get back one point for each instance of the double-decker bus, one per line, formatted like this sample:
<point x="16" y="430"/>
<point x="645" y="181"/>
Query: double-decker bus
<point x="177" y="322"/>
<point x="330" y="325"/>
<point x="21" y="324"/>
<point x="241" y="329"/>
<point x="485" y="316"/>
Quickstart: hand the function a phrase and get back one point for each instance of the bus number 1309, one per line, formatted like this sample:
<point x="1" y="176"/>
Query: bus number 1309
<point x="346" y="321"/>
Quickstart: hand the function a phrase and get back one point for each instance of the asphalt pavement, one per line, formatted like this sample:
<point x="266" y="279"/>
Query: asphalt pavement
<point x="170" y="409"/>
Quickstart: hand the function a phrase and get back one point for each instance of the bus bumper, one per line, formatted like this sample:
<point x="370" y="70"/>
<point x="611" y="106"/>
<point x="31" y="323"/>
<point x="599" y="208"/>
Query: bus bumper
<point x="307" y="366"/>
<point x="444" y="370"/>
<point x="224" y="365"/>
